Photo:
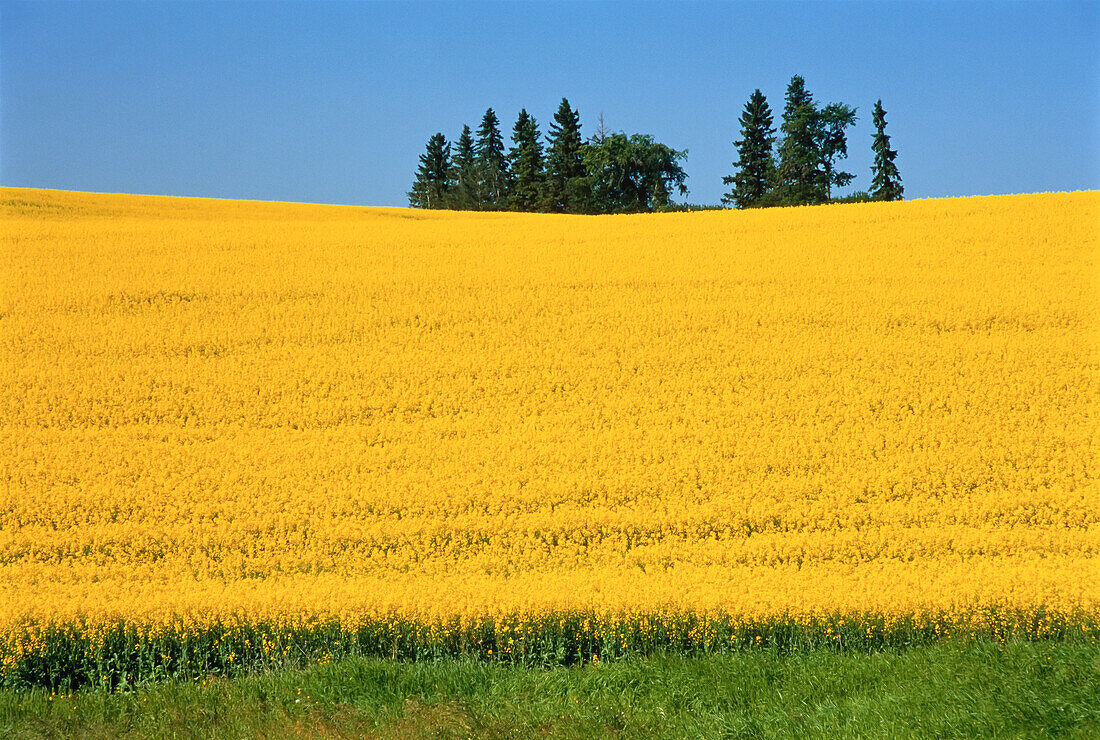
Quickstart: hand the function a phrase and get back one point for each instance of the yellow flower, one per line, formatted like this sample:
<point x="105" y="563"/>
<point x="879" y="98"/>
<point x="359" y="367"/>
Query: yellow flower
<point x="255" y="413"/>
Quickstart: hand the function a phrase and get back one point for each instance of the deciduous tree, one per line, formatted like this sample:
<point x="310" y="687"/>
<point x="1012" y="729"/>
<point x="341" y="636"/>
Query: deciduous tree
<point x="635" y="173"/>
<point x="835" y="118"/>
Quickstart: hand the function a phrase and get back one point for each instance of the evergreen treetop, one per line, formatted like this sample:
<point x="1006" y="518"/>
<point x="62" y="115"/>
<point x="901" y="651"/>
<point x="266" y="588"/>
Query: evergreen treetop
<point x="813" y="141"/>
<point x="799" y="176"/>
<point x="491" y="161"/>
<point x="797" y="96"/>
<point x="525" y="165"/>
<point x="565" y="170"/>
<point x="755" y="164"/>
<point x="433" y="176"/>
<point x="885" y="178"/>
<point x="465" y="194"/>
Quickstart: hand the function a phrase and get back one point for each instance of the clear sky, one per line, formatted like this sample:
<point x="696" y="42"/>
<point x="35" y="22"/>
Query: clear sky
<point x="333" y="102"/>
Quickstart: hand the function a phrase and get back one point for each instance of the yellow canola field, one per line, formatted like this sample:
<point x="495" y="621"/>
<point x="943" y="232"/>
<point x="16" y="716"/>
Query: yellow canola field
<point x="213" y="408"/>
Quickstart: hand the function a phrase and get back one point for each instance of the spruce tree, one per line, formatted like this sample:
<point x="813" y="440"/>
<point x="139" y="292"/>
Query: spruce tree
<point x="755" y="164"/>
<point x="465" y="195"/>
<point x="800" y="178"/>
<point x="525" y="166"/>
<point x="566" y="184"/>
<point x="796" y="97"/>
<point x="885" y="179"/>
<point x="433" y="176"/>
<point x="491" y="162"/>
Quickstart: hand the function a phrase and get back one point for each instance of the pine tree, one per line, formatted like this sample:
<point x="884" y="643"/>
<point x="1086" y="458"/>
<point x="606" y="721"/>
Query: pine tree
<point x="433" y="176"/>
<point x="465" y="195"/>
<point x="755" y="164"/>
<point x="491" y="162"/>
<point x="885" y="179"/>
<point x="800" y="178"/>
<point x="566" y="184"/>
<point x="525" y="165"/>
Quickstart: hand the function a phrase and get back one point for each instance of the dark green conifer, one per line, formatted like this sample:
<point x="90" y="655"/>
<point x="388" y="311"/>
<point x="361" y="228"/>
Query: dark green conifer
<point x="755" y="164"/>
<point x="566" y="181"/>
<point x="800" y="178"/>
<point x="491" y="162"/>
<point x="885" y="179"/>
<point x="465" y="195"/>
<point x="797" y="96"/>
<point x="525" y="165"/>
<point x="433" y="176"/>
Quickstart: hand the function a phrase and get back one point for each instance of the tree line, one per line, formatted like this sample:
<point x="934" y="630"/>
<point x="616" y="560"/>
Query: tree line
<point x="804" y="169"/>
<point x="608" y="173"/>
<point x="617" y="173"/>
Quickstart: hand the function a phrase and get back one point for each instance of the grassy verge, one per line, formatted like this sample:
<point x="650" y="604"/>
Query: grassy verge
<point x="964" y="689"/>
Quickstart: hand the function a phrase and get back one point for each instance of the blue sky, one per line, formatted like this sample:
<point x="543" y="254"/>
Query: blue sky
<point x="333" y="102"/>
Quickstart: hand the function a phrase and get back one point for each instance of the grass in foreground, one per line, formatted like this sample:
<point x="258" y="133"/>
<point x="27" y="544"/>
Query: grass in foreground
<point x="972" y="689"/>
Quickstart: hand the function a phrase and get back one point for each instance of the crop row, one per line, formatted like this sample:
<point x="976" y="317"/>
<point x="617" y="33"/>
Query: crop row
<point x="120" y="655"/>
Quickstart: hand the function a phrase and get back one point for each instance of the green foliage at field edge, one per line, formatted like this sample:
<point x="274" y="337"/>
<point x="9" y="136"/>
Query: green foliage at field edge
<point x="122" y="655"/>
<point x="967" y="689"/>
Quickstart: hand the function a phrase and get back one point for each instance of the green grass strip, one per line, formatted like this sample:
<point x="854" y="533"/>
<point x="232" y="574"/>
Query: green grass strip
<point x="979" y="688"/>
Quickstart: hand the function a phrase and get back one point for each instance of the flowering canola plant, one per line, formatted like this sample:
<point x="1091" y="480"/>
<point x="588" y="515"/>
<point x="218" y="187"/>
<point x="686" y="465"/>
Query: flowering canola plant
<point x="237" y="432"/>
